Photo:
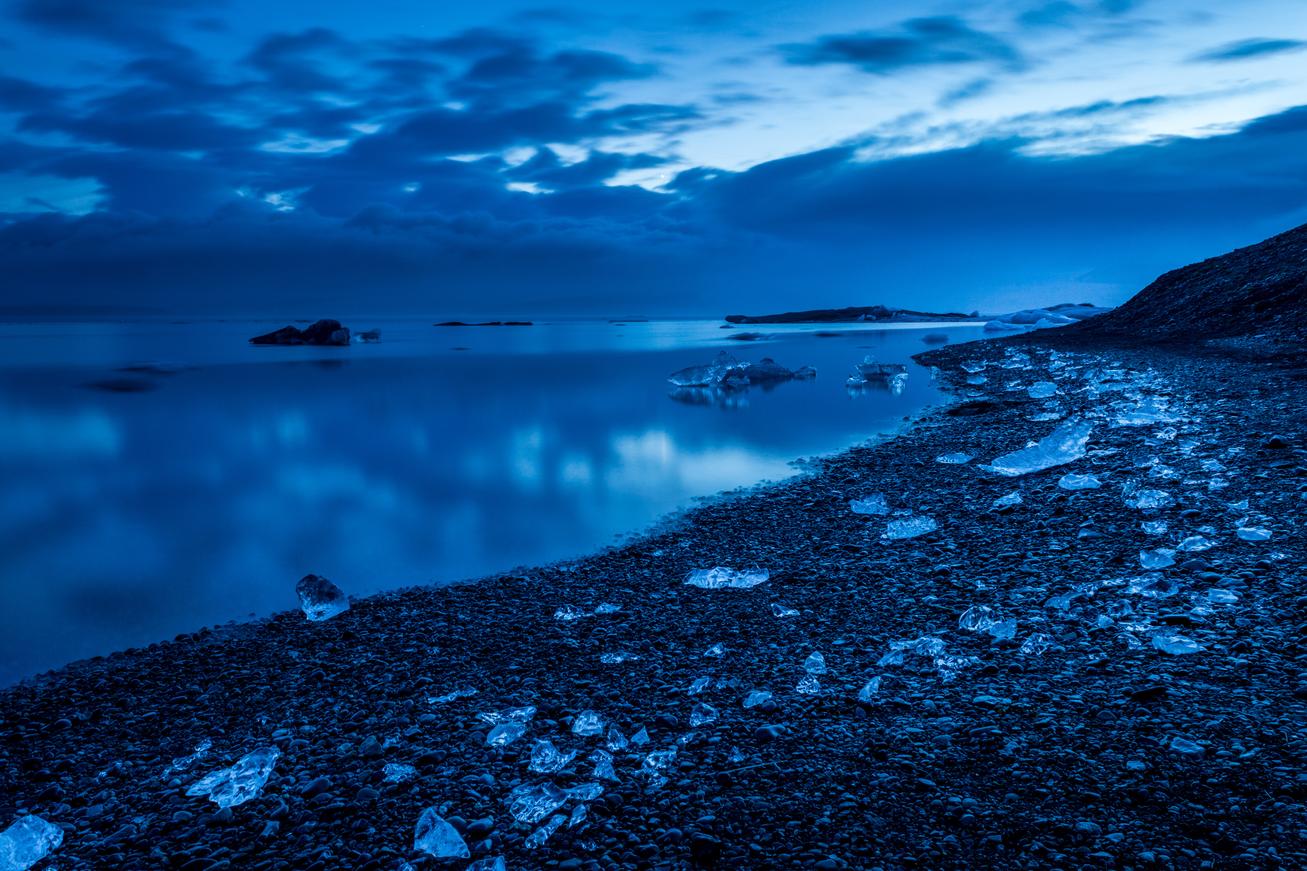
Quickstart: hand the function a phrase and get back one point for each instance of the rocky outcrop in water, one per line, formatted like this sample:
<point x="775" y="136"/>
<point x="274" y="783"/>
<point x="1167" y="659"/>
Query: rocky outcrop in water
<point x="324" y="332"/>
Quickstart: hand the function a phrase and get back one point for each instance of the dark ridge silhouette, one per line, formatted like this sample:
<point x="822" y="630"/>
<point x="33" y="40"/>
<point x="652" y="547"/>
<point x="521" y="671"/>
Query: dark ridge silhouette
<point x="1260" y="290"/>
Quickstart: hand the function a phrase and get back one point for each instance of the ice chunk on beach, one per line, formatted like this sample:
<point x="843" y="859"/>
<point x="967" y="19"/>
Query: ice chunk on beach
<point x="183" y="763"/>
<point x="808" y="685"/>
<point x="608" y="608"/>
<point x="1036" y="644"/>
<point x="718" y="649"/>
<point x="1041" y="390"/>
<point x="908" y="527"/>
<point x="700" y="684"/>
<point x="616" y="740"/>
<point x="1186" y="747"/>
<point x="1145" y="499"/>
<point x="434" y="835"/>
<point x="1222" y="597"/>
<point x="505" y="734"/>
<point x="452" y="695"/>
<point x="398" y="772"/>
<point x="873" y="504"/>
<point x="755" y="698"/>
<point x="1157" y="558"/>
<point x="869" y="690"/>
<point x="1003" y="630"/>
<point x="603" y="762"/>
<point x="1195" y="544"/>
<point x="957" y="458"/>
<point x="1149" y="411"/>
<point x="1175" y="644"/>
<point x="722" y="577"/>
<point x="977" y="618"/>
<point x="239" y="783"/>
<point x="320" y="599"/>
<point x="618" y="657"/>
<point x="568" y="613"/>
<point x="815" y="663"/>
<point x="1253" y="533"/>
<point x="702" y="714"/>
<point x="1153" y="585"/>
<point x="1065" y="444"/>
<point x="523" y="714"/>
<point x="780" y="610"/>
<point x="29" y="840"/>
<point x="542" y="834"/>
<point x="1079" y="482"/>
<point x="1154" y="527"/>
<point x="579" y="813"/>
<point x="588" y="723"/>
<point x="532" y="802"/>
<point x="1013" y="498"/>
<point x="489" y="863"/>
<point x="546" y="758"/>
<point x="640" y="738"/>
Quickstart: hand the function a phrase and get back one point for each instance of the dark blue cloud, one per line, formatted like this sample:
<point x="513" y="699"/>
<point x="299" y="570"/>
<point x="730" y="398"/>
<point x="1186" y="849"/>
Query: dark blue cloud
<point x="1249" y="49"/>
<point x="135" y="23"/>
<point x="918" y="42"/>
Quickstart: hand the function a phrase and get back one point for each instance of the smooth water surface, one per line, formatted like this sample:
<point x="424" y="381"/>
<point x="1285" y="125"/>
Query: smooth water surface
<point x="143" y="502"/>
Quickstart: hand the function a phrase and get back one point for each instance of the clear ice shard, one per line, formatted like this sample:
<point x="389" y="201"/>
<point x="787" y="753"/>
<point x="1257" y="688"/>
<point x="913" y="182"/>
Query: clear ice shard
<point x="1003" y="630"/>
<point x="757" y="697"/>
<point x="1148" y="500"/>
<point x="1222" y="597"/>
<point x="434" y="835"/>
<point x="908" y="527"/>
<point x="490" y="863"/>
<point x="546" y="758"/>
<point x="780" y="610"/>
<point x="1154" y="527"/>
<point x="183" y="763"/>
<point x="585" y="791"/>
<point x="977" y="618"/>
<point x="1175" y="644"/>
<point x="29" y="840"/>
<point x="1185" y="746"/>
<point x="1157" y="558"/>
<point x="957" y="458"/>
<point x="873" y="504"/>
<point x="603" y="762"/>
<point x="542" y="834"/>
<point x="451" y="696"/>
<point x="640" y="738"/>
<point x="1149" y="411"/>
<point x="588" y="723"/>
<point x="239" y="783"/>
<point x="1036" y="644"/>
<point x="1079" y="482"/>
<point x="523" y="714"/>
<point x="718" y="649"/>
<point x="700" y="684"/>
<point x="505" y="733"/>
<point x="722" y="577"/>
<point x="870" y="690"/>
<point x="398" y="772"/>
<point x="815" y="663"/>
<point x="618" y="657"/>
<point x="1041" y="390"/>
<point x="1253" y="533"/>
<point x="579" y="813"/>
<point x="1013" y="498"/>
<point x="1153" y="585"/>
<point x="702" y="714"/>
<point x="1065" y="444"/>
<point x="616" y="740"/>
<point x="532" y="802"/>
<point x="608" y="608"/>
<point x="1195" y="544"/>
<point x="808" y="685"/>
<point x="320" y="599"/>
<point x="568" y="613"/>
<point x="722" y="369"/>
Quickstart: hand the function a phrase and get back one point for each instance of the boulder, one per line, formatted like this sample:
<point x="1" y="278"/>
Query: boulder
<point x="324" y="332"/>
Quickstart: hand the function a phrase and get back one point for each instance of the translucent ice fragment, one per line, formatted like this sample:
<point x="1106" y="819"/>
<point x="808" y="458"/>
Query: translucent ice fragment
<point x="869" y="690"/>
<point x="451" y="696"/>
<point x="542" y="834"/>
<point x="183" y="763"/>
<point x="505" y="734"/>
<point x="588" y="723"/>
<point x="722" y="577"/>
<point x="1195" y="544"/>
<point x="608" y="608"/>
<point x="1154" y="527"/>
<point x="1013" y="498"/>
<point x="658" y="761"/>
<point x="578" y="816"/>
<point x="616" y="740"/>
<point x="546" y="758"/>
<point x="489" y="863"/>
<point x="908" y="527"/>
<point x="320" y="599"/>
<point x="1036" y="644"/>
<point x="1253" y="533"/>
<point x="1157" y="558"/>
<point x="815" y="663"/>
<point x="1149" y="411"/>
<point x="239" y="783"/>
<point x="1079" y="482"/>
<point x="1222" y="597"/>
<point x="1003" y="630"/>
<point x="702" y="714"/>
<point x="1153" y="585"/>
<point x="532" y="802"/>
<point x="757" y="697"/>
<point x="523" y="714"/>
<point x="957" y="458"/>
<point x="29" y="840"/>
<point x="699" y="685"/>
<point x="873" y="504"/>
<point x="1064" y="444"/>
<point x="585" y="791"/>
<point x="783" y="611"/>
<point x="398" y="772"/>
<point x="434" y="835"/>
<point x="1148" y="500"/>
<point x="603" y="762"/>
<point x="718" y="649"/>
<point x="640" y="738"/>
<point x="808" y="685"/>
<point x="977" y="618"/>
<point x="618" y="657"/>
<point x="1186" y="747"/>
<point x="568" y="613"/>
<point x="1175" y="644"/>
<point x="1041" y="390"/>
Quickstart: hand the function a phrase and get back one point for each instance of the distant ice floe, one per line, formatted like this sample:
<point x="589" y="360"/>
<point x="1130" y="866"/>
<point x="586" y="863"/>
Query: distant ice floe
<point x="1043" y="318"/>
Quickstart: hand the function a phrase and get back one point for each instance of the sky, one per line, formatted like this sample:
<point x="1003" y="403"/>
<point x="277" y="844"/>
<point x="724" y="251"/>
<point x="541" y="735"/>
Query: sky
<point x="661" y="157"/>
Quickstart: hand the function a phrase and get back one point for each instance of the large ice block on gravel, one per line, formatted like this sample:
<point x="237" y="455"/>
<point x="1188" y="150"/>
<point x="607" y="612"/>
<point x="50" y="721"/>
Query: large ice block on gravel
<point x="1063" y="445"/>
<point x="241" y="782"/>
<point x="722" y="577"/>
<point x="320" y="599"/>
<point x="29" y="840"/>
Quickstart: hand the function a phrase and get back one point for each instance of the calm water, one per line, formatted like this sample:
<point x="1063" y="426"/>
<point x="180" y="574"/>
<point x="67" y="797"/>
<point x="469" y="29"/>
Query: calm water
<point x="130" y="515"/>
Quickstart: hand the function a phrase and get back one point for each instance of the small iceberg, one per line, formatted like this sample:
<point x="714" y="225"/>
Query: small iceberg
<point x="1065" y="444"/>
<point x="722" y="577"/>
<point x="1042" y="318"/>
<point x="241" y="782"/>
<point x="320" y="599"/>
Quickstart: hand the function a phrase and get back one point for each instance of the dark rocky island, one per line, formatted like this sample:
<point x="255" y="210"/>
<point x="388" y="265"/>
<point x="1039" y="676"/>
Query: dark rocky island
<point x="850" y="315"/>
<point x="1098" y="663"/>
<point x="323" y="332"/>
<point x="485" y="324"/>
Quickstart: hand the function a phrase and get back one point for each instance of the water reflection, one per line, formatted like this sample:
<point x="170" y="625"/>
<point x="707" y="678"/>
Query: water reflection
<point x="128" y="517"/>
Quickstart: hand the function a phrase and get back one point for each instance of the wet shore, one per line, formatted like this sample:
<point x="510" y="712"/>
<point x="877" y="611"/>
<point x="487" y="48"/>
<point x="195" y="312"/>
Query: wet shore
<point x="1131" y="720"/>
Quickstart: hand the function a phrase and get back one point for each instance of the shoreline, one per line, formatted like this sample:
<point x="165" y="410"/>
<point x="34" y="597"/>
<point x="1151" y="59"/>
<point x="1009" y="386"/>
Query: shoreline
<point x="905" y="780"/>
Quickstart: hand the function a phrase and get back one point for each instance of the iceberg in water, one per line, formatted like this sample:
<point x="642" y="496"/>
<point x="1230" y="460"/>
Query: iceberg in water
<point x="239" y="783"/>
<point x="1065" y="444"/>
<point x="1042" y="318"/>
<point x="28" y="841"/>
<point x="722" y="577"/>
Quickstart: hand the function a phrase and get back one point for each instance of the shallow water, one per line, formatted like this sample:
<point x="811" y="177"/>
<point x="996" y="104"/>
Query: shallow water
<point x="201" y="495"/>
